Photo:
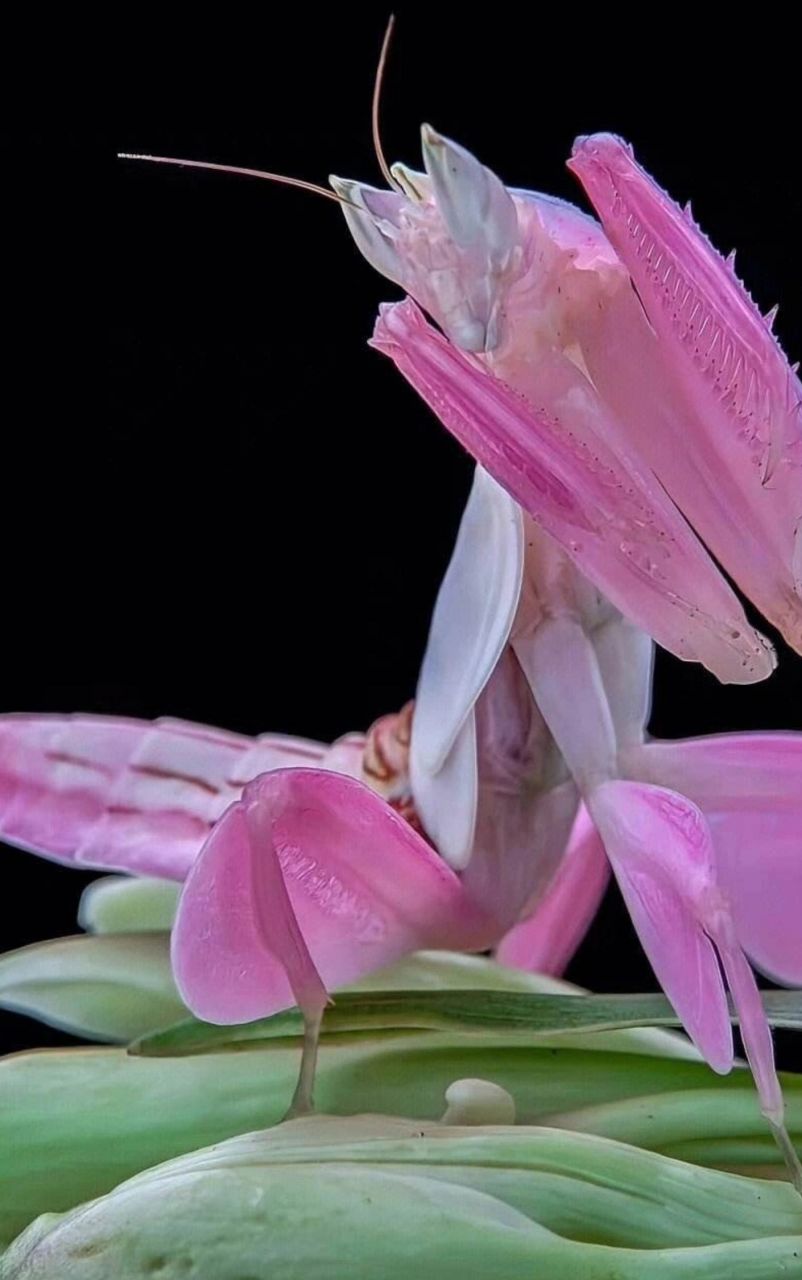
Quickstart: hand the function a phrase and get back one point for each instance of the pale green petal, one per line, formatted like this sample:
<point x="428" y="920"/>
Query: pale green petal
<point x="106" y="987"/>
<point x="126" y="904"/>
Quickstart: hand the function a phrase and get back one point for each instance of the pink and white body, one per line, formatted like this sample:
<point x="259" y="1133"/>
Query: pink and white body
<point x="527" y="746"/>
<point x="533" y="697"/>
<point x="637" y="429"/>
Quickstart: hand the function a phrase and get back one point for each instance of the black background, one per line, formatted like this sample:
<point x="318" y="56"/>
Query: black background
<point x="247" y="524"/>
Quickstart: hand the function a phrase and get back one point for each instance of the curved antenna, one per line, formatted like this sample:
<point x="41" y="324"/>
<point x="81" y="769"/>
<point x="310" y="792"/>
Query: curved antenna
<point x="246" y="173"/>
<point x="376" y="104"/>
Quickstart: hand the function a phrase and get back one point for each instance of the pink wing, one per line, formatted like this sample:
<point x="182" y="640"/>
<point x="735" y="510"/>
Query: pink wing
<point x="712" y="403"/>
<point x="126" y="795"/>
<point x="363" y="886"/>
<point x="608" y="514"/>
<point x="548" y="938"/>
<point x="749" y="786"/>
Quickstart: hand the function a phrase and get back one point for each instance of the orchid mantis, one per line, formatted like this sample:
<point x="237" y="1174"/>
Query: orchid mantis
<point x="302" y="879"/>
<point x="629" y="409"/>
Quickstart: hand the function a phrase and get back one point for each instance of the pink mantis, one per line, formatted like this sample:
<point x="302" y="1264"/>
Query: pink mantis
<point x="301" y="879"/>
<point x="593" y="404"/>
<point x="622" y="390"/>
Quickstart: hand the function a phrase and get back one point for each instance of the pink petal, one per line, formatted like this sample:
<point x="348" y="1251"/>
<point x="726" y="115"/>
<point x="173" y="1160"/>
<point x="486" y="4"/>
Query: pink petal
<point x="749" y="786"/>
<point x="662" y="856"/>
<point x="363" y="887"/>
<point x="612" y="519"/>
<point x="127" y="795"/>
<point x="548" y="938"/>
<point x="713" y="405"/>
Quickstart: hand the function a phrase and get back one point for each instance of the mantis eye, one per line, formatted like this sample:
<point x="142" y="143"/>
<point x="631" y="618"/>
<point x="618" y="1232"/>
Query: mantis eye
<point x="370" y="215"/>
<point x="478" y="211"/>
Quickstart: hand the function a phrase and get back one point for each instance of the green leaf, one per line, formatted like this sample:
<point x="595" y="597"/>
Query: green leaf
<point x="66" y="1005"/>
<point x="74" y="1123"/>
<point x="109" y="987"/>
<point x="510" y="1012"/>
<point x="126" y="904"/>
<point x="385" y="1197"/>
<point x="454" y="970"/>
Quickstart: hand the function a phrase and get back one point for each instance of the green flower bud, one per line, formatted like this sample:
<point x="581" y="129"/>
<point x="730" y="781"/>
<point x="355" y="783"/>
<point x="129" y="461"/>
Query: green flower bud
<point x="378" y="1196"/>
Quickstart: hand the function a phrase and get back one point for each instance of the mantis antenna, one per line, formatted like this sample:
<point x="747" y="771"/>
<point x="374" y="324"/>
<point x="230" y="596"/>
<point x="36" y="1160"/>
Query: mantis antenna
<point x="300" y="183"/>
<point x="375" y="107"/>
<point x="246" y="173"/>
